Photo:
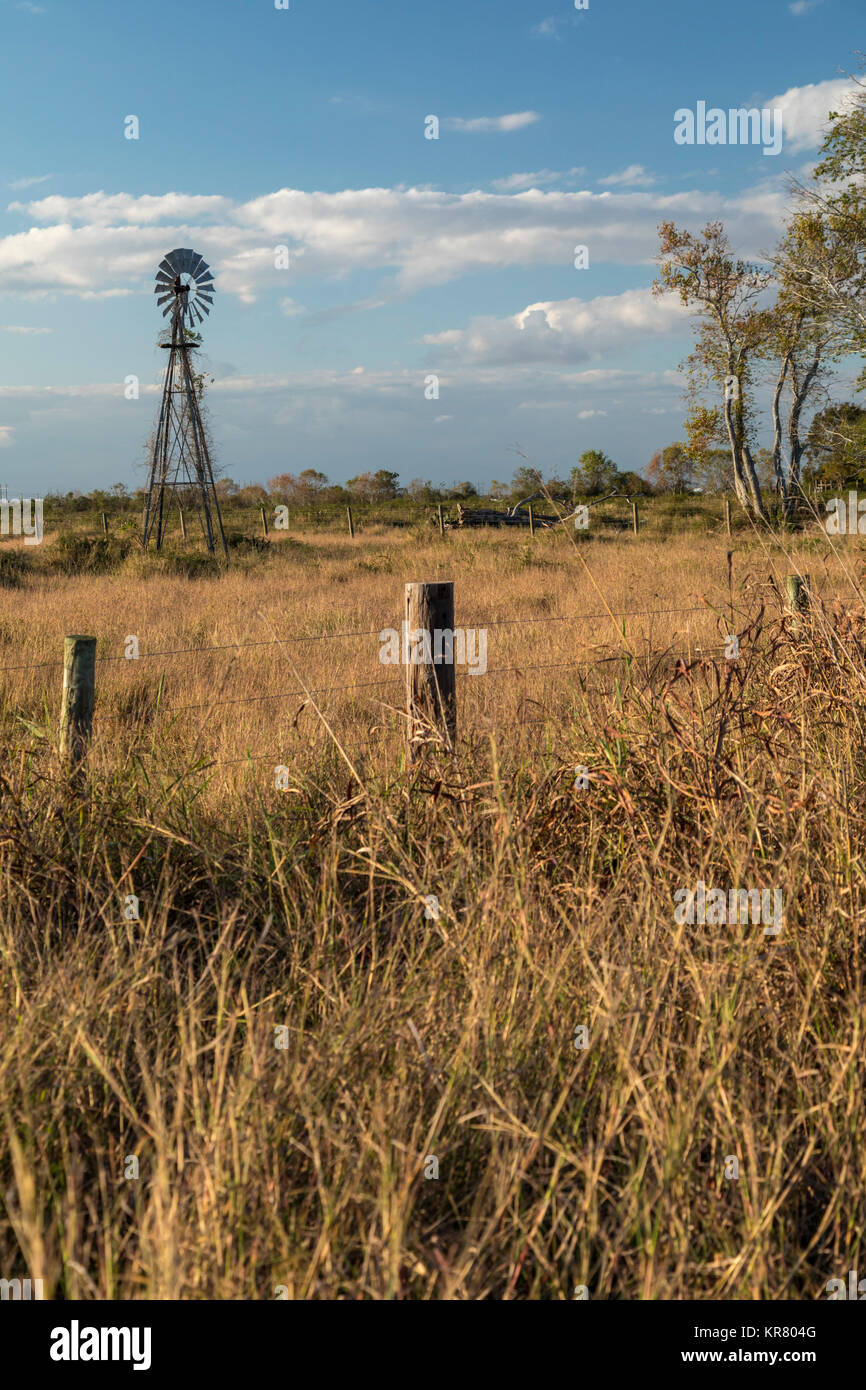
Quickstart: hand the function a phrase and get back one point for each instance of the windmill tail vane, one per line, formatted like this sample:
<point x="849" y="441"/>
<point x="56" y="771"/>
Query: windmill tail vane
<point x="181" y="472"/>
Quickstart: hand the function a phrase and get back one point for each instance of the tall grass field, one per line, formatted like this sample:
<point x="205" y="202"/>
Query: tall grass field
<point x="286" y="1015"/>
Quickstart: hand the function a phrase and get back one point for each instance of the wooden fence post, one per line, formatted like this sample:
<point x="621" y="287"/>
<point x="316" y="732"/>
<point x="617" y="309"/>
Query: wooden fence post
<point x="264" y="519"/>
<point x="104" y="524"/>
<point x="76" y="709"/>
<point x="798" y="598"/>
<point x="428" y="654"/>
<point x="728" y="514"/>
<point x="351" y="522"/>
<point x="182" y="524"/>
<point x="634" y="521"/>
<point x="441" y="521"/>
<point x="531" y="520"/>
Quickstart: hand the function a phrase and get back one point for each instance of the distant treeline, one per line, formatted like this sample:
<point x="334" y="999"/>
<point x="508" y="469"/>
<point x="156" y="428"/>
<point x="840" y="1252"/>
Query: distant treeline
<point x="835" y="450"/>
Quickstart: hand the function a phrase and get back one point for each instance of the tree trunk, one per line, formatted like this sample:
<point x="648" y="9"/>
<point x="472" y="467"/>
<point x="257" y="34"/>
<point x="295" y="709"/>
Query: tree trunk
<point x="778" y="472"/>
<point x="754" y="486"/>
<point x="800" y="388"/>
<point x="739" y="479"/>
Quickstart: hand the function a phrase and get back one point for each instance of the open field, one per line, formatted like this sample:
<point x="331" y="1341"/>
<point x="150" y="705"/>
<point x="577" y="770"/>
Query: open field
<point x="305" y="1166"/>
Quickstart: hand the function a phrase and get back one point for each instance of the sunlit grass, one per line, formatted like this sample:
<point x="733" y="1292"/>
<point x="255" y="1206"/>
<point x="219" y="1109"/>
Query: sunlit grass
<point x="411" y="1037"/>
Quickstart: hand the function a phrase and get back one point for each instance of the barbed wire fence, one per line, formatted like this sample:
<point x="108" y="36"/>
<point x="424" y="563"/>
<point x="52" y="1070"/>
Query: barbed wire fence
<point x="80" y="661"/>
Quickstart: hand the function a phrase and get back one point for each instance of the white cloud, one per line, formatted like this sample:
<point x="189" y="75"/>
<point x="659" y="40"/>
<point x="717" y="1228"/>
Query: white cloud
<point x="516" y="183"/>
<point x="16" y="328"/>
<point x="291" y="309"/>
<point x="533" y="383"/>
<point x="440" y="419"/>
<point x="805" y="110"/>
<point x="635" y="175"/>
<point x="108" y="209"/>
<point x="516" y="120"/>
<point x="564" y="330"/>
<point x="6" y="436"/>
<point x="31" y="182"/>
<point x="547" y="28"/>
<point x="803" y="6"/>
<point x="102" y="245"/>
<point x="590" y="414"/>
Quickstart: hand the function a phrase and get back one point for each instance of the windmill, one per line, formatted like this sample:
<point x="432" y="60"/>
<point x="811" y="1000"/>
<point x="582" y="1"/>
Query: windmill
<point x="180" y="465"/>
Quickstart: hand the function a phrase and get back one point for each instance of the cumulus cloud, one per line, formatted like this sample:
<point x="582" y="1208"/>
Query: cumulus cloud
<point x="7" y="433"/>
<point x="564" y="330"/>
<point x="103" y="245"/>
<point x="108" y="209"/>
<point x="805" y="110"/>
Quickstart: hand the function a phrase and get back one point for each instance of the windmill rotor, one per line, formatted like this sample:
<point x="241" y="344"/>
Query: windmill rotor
<point x="184" y="285"/>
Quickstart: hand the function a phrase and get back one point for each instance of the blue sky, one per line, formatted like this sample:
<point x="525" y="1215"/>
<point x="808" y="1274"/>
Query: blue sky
<point x="305" y="127"/>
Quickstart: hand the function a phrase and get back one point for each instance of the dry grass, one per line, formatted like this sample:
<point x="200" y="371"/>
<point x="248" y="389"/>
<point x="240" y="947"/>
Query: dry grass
<point x="304" y="1166"/>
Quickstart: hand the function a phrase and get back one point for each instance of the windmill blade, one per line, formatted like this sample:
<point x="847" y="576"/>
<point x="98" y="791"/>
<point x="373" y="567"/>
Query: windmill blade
<point x="195" y="300"/>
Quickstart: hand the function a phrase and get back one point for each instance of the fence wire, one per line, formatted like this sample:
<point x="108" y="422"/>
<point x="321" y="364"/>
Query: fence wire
<point x="371" y="632"/>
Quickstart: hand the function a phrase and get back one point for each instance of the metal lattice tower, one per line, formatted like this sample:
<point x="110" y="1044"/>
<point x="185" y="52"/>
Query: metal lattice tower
<point x="180" y="466"/>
